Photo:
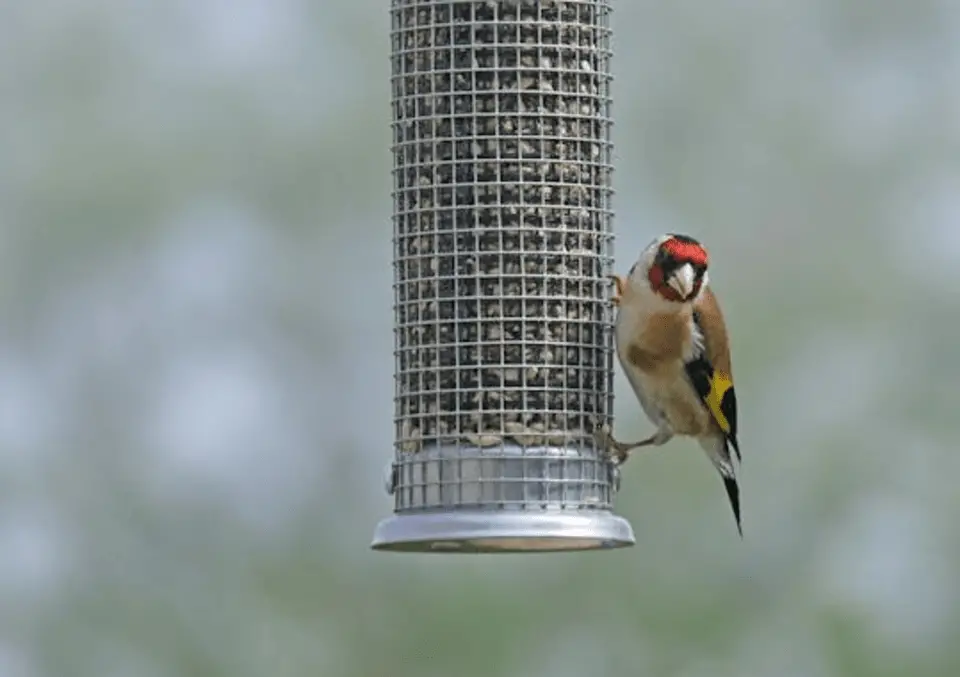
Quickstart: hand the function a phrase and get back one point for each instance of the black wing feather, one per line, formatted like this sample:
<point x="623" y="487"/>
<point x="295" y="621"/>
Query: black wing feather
<point x="702" y="376"/>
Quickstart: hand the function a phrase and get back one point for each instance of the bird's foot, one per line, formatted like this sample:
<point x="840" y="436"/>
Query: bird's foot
<point x="617" y="289"/>
<point x="620" y="451"/>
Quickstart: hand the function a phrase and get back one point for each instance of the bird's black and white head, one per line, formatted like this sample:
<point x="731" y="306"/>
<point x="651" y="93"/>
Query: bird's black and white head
<point x="673" y="268"/>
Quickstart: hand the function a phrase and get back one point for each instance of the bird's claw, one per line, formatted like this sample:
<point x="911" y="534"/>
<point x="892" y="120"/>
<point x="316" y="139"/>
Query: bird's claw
<point x="617" y="289"/>
<point x="616" y="451"/>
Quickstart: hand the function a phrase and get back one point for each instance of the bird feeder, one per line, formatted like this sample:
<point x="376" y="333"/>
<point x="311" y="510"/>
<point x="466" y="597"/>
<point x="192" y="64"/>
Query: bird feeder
<point x="502" y="244"/>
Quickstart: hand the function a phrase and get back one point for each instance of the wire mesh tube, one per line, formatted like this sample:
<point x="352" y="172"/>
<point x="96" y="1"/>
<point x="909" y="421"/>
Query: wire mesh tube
<point x="502" y="244"/>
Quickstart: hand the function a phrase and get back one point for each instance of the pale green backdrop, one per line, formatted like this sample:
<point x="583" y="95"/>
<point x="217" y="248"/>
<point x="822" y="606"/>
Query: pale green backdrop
<point x="195" y="352"/>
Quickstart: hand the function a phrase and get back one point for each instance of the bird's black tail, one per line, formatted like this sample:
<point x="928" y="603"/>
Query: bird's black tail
<point x="733" y="493"/>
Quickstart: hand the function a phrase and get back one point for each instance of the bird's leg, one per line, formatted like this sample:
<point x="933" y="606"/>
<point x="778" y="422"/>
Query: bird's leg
<point x="619" y="451"/>
<point x="617" y="289"/>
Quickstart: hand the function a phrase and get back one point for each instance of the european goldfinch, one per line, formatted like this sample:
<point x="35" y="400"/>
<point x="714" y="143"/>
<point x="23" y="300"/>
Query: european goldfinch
<point x="672" y="343"/>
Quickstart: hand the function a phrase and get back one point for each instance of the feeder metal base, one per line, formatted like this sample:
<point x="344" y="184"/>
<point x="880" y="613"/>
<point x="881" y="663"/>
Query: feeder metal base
<point x="495" y="532"/>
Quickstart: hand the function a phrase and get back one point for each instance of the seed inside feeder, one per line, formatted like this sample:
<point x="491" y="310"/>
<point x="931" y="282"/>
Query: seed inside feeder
<point x="502" y="221"/>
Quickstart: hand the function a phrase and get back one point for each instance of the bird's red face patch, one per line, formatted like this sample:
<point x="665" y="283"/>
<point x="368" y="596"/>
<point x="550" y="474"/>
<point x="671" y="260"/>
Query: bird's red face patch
<point x="676" y="251"/>
<point x="659" y="285"/>
<point x="655" y="275"/>
<point x="685" y="250"/>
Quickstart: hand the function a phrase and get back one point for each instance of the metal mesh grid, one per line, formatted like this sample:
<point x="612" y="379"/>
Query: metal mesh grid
<point x="502" y="241"/>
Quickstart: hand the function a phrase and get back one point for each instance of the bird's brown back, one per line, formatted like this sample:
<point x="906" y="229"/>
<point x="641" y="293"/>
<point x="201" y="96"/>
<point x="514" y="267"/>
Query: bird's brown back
<point x="716" y="341"/>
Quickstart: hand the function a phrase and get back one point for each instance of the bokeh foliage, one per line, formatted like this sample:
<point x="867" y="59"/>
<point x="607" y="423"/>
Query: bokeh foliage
<point x="195" y="352"/>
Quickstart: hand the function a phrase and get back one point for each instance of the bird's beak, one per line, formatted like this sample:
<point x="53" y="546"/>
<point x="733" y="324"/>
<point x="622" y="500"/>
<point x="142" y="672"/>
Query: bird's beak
<point x="682" y="280"/>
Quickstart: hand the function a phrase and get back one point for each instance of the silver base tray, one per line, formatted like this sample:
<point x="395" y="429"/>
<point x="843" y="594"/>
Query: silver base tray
<point x="496" y="532"/>
<point x="451" y="498"/>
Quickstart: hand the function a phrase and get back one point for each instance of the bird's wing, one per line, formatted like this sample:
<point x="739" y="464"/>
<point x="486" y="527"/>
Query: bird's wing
<point x="711" y="372"/>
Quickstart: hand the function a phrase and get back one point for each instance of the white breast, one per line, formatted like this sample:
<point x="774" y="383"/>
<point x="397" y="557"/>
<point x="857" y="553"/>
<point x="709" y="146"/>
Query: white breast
<point x="669" y="393"/>
<point x="628" y="322"/>
<point x="633" y="316"/>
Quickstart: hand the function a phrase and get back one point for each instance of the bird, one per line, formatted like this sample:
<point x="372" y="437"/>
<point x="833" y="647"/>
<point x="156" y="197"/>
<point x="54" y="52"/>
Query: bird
<point x="672" y="343"/>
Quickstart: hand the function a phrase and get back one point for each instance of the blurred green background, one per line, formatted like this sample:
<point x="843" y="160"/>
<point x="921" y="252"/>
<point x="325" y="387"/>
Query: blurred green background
<point x="195" y="352"/>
